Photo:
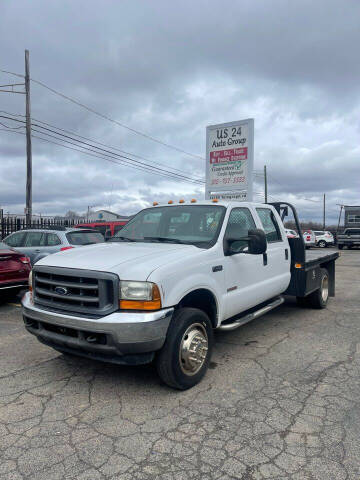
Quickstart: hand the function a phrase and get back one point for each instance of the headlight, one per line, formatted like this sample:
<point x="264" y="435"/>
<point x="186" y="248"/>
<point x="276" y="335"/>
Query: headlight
<point x="30" y="281"/>
<point x="139" y="296"/>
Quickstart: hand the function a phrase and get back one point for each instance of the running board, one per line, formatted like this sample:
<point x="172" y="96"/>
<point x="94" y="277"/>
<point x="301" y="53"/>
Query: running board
<point x="251" y="316"/>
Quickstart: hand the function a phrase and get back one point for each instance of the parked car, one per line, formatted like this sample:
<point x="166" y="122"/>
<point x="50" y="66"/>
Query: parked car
<point x="349" y="238"/>
<point x="291" y="233"/>
<point x="14" y="269"/>
<point x="38" y="243"/>
<point x="324" y="239"/>
<point x="108" y="229"/>
<point x="309" y="238"/>
<point x="157" y="293"/>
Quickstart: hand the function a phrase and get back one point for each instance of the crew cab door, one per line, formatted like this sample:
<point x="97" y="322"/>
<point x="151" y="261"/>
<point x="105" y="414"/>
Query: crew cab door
<point x="276" y="272"/>
<point x="244" y="273"/>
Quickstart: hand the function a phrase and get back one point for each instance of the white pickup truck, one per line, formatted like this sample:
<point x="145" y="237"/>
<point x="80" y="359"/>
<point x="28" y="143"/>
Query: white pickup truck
<point x="168" y="279"/>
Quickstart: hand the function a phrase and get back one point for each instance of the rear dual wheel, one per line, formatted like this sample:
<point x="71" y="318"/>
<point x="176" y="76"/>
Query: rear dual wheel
<point x="320" y="297"/>
<point x="185" y="356"/>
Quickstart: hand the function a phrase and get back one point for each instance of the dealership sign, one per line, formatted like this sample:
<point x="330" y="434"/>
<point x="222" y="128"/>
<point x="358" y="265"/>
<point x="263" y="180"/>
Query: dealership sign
<point x="230" y="160"/>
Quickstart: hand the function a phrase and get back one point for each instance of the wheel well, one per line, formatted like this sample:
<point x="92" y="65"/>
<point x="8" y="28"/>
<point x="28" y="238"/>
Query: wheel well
<point x="203" y="300"/>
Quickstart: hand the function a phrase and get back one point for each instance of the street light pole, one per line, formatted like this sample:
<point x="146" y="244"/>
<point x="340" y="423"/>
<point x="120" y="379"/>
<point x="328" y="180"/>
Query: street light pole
<point x="28" y="209"/>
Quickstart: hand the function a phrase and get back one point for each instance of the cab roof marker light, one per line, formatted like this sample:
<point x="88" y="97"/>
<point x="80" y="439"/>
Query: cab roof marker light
<point x="170" y="202"/>
<point x="155" y="203"/>
<point x="193" y="200"/>
<point x="215" y="200"/>
<point x="181" y="201"/>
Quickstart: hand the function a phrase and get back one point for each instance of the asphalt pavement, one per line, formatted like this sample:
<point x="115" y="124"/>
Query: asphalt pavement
<point x="280" y="401"/>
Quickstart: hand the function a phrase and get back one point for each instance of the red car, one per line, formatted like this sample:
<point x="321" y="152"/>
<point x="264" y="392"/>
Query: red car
<point x="108" y="229"/>
<point x="14" y="269"/>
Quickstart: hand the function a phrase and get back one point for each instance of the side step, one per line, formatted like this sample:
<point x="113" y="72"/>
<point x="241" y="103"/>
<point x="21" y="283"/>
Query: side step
<point x="251" y="316"/>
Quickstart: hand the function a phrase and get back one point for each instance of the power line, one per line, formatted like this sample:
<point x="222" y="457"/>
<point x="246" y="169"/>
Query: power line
<point x="107" y="152"/>
<point x="99" y="143"/>
<point x="117" y="162"/>
<point x="106" y="117"/>
<point x="11" y="128"/>
<point x="12" y="73"/>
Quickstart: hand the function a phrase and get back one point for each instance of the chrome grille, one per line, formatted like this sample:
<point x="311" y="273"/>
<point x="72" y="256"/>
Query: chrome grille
<point x="77" y="291"/>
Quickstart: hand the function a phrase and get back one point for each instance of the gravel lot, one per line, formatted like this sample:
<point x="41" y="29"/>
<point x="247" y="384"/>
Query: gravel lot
<point x="281" y="401"/>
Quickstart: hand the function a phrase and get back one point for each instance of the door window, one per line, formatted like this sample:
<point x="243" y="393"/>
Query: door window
<point x="16" y="240"/>
<point x="53" y="239"/>
<point x="239" y="223"/>
<point x="270" y="225"/>
<point x="34" y="239"/>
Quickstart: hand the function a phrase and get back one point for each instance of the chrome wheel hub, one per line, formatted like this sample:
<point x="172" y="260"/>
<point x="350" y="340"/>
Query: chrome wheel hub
<point x="325" y="288"/>
<point x="193" y="349"/>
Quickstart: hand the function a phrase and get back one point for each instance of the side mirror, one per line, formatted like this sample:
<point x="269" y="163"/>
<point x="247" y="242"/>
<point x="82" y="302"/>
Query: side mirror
<point x="255" y="243"/>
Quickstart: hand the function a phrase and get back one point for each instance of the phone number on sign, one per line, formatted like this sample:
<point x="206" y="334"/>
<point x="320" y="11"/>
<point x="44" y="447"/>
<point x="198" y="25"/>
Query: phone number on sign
<point x="217" y="181"/>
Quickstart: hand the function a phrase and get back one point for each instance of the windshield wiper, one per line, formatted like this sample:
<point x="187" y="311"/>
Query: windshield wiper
<point x="123" y="239"/>
<point x="168" y="239"/>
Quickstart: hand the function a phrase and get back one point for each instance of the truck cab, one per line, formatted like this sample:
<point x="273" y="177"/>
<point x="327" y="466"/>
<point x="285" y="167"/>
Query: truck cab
<point x="174" y="274"/>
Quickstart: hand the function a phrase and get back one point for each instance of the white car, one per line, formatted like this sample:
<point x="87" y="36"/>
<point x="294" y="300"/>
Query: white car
<point x="291" y="233"/>
<point x="172" y="275"/>
<point x="309" y="238"/>
<point x="324" y="239"/>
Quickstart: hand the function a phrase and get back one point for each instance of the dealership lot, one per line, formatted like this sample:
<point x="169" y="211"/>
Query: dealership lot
<point x="279" y="402"/>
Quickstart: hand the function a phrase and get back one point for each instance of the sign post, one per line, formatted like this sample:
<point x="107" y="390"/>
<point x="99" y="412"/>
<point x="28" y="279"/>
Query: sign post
<point x="230" y="160"/>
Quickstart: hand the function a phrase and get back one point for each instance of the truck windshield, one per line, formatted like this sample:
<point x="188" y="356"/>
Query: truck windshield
<point x="197" y="225"/>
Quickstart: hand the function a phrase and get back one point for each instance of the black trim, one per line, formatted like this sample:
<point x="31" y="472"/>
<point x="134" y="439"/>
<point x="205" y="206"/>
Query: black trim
<point x="217" y="268"/>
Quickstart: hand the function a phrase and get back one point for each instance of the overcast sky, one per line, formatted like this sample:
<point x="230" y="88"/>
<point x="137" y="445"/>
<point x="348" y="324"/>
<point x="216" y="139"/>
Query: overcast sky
<point x="169" y="69"/>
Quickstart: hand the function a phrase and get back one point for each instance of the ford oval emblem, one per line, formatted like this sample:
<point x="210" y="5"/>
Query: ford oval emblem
<point x="61" y="290"/>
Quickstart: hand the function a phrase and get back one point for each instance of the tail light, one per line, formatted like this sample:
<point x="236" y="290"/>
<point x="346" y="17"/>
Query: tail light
<point x="24" y="259"/>
<point x="308" y="238"/>
<point x="65" y="248"/>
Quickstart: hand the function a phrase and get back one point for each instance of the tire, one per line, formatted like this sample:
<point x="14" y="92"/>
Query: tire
<point x="322" y="244"/>
<point x="302" y="301"/>
<point x="190" y="328"/>
<point x="319" y="298"/>
<point x="340" y="247"/>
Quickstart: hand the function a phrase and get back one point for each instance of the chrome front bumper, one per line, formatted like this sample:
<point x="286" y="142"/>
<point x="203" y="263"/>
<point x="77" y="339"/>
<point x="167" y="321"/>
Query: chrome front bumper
<point x="117" y="334"/>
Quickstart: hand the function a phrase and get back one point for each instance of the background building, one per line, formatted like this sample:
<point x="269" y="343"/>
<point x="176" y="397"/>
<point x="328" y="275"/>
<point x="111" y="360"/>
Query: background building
<point x="352" y="216"/>
<point x="105" y="216"/>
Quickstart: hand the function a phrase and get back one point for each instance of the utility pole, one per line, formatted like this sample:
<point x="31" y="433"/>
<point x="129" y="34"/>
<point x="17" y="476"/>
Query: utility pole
<point x="341" y="208"/>
<point x="324" y="207"/>
<point x="265" y="184"/>
<point x="28" y="209"/>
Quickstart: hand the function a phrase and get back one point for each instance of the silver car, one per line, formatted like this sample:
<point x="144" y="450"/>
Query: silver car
<point x="38" y="243"/>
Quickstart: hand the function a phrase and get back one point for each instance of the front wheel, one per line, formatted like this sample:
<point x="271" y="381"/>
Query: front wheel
<point x="185" y="356"/>
<point x="322" y="244"/>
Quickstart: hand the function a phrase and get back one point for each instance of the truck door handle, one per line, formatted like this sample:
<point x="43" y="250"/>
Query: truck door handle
<point x="286" y="254"/>
<point x="265" y="259"/>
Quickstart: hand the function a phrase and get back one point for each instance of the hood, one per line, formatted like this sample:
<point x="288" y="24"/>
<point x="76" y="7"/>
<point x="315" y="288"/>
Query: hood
<point x="131" y="261"/>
